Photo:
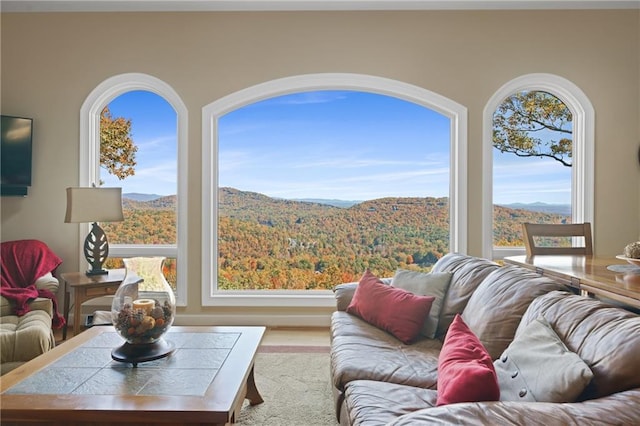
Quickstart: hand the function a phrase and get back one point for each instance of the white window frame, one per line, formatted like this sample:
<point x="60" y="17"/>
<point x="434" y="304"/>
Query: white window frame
<point x="582" y="190"/>
<point x="100" y="97"/>
<point x="212" y="112"/>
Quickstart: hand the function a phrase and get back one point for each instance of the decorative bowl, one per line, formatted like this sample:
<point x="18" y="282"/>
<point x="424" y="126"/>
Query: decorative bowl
<point x="635" y="262"/>
<point x="142" y="311"/>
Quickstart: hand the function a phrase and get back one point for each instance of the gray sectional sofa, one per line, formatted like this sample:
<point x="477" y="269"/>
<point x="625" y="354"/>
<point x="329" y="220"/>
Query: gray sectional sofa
<point x="378" y="380"/>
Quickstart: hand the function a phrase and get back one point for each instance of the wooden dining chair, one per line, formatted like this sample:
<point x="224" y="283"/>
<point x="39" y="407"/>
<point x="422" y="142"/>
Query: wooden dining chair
<point x="532" y="231"/>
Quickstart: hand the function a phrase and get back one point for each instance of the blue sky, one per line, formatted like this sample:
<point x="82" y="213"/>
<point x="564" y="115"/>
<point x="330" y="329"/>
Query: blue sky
<point x="328" y="144"/>
<point x="154" y="132"/>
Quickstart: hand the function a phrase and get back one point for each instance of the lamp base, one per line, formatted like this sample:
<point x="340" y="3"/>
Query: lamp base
<point x="134" y="354"/>
<point x="96" y="250"/>
<point x="91" y="272"/>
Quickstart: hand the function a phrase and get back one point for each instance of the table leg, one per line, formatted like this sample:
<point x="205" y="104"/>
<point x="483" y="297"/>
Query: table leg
<point x="252" y="391"/>
<point x="77" y="311"/>
<point x="66" y="314"/>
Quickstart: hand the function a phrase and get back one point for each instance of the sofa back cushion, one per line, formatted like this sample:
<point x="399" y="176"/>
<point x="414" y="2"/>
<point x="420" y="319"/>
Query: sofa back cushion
<point x="498" y="304"/>
<point x="467" y="274"/>
<point x="607" y="338"/>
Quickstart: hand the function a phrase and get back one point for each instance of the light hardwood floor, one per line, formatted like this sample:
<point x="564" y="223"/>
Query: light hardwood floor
<point x="273" y="337"/>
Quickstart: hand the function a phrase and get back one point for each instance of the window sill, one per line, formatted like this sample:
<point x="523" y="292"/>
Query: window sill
<point x="302" y="299"/>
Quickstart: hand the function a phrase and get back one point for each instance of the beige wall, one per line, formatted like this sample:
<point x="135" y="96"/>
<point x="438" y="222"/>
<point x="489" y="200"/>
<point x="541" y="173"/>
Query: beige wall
<point x="51" y="62"/>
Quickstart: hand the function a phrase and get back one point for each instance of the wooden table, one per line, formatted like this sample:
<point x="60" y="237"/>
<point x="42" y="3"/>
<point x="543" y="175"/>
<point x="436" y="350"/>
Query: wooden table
<point x="589" y="274"/>
<point x="205" y="381"/>
<point x="86" y="287"/>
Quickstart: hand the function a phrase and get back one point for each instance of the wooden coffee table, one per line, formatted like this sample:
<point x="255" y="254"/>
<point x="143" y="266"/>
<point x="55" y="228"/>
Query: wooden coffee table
<point x="205" y="381"/>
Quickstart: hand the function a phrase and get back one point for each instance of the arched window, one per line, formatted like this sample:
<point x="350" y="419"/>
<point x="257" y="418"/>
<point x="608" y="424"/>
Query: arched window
<point x="137" y="89"/>
<point x="214" y="113"/>
<point x="549" y="88"/>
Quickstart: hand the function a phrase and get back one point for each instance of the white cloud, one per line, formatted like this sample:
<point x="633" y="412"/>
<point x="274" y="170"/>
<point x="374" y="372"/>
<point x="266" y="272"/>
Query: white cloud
<point x="305" y="98"/>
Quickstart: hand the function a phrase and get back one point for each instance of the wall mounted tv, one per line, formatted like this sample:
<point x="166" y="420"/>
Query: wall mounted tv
<point x="15" y="155"/>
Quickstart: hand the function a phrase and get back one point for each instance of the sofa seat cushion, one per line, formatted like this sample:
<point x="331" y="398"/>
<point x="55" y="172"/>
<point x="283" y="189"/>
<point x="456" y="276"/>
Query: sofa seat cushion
<point x="498" y="304"/>
<point x="26" y="337"/>
<point x="39" y="303"/>
<point x="620" y="409"/>
<point x="360" y="351"/>
<point x="606" y="338"/>
<point x="378" y="403"/>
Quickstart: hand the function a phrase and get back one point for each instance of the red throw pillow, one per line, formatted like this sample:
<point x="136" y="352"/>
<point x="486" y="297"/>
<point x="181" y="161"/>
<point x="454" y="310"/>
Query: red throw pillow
<point x="465" y="369"/>
<point x="397" y="311"/>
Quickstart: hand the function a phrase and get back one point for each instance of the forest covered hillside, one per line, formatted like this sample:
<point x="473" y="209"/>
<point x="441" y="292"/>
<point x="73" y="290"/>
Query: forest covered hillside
<point x="274" y="243"/>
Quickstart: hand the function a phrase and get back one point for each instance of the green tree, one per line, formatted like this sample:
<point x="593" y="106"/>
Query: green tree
<point x="117" y="150"/>
<point x="534" y="124"/>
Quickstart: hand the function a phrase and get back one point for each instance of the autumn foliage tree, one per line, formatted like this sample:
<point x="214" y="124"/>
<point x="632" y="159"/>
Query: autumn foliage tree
<point x="117" y="150"/>
<point x="534" y="124"/>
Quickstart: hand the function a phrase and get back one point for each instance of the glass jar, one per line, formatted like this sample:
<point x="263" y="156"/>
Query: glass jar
<point x="144" y="305"/>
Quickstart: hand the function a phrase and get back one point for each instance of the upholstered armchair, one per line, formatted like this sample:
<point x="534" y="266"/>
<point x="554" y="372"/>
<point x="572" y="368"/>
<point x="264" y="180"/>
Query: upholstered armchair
<point x="28" y="308"/>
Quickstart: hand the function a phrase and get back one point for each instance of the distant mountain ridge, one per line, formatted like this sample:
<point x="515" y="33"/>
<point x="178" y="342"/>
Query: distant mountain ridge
<point x="136" y="196"/>
<point x="563" y="209"/>
<point x="330" y="202"/>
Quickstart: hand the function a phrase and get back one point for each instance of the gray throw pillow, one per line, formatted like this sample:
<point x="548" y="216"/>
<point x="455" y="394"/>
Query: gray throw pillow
<point x="537" y="366"/>
<point x="425" y="284"/>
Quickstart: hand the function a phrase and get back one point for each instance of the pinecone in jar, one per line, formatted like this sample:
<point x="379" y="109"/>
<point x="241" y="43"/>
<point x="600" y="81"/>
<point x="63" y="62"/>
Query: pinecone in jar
<point x="632" y="250"/>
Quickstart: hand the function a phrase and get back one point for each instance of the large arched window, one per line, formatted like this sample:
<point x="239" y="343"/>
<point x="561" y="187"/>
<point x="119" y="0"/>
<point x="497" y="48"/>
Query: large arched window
<point x="214" y="112"/>
<point x="138" y="89"/>
<point x="581" y="170"/>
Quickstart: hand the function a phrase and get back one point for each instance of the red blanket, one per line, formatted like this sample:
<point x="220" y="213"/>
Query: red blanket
<point x="21" y="264"/>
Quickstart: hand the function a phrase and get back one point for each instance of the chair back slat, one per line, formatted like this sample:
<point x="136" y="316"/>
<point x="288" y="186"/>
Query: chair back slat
<point x="532" y="230"/>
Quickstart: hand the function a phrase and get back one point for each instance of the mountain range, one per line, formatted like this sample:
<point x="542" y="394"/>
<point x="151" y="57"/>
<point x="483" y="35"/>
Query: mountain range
<point x="563" y="209"/>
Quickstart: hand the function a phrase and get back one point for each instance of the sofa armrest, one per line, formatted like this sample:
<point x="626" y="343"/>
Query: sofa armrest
<point x="344" y="293"/>
<point x="48" y="282"/>
<point x="621" y="408"/>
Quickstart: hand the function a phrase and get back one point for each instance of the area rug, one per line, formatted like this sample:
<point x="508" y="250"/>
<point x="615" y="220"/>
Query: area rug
<point x="295" y="385"/>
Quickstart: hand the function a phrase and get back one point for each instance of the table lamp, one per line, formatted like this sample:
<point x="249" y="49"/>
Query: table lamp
<point x="93" y="205"/>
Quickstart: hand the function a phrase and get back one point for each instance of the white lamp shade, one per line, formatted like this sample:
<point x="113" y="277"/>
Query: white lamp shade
<point x="94" y="205"/>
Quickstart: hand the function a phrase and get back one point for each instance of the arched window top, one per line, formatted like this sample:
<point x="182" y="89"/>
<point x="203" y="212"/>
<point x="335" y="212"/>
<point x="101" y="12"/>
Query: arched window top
<point x="116" y="85"/>
<point x="100" y="97"/>
<point x="583" y="141"/>
<point x="565" y="90"/>
<point x="337" y="81"/>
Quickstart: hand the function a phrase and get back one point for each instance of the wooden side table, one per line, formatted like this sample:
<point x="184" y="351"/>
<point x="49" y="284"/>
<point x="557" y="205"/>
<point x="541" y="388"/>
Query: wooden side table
<point x="84" y="288"/>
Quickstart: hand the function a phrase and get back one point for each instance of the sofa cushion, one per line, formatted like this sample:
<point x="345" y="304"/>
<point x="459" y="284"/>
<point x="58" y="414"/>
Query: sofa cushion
<point x="425" y="284"/>
<point x="360" y="351"/>
<point x="465" y="369"/>
<point x="537" y="366"/>
<point x="378" y="403"/>
<point x="605" y="337"/>
<point x="467" y="274"/>
<point x="23" y="338"/>
<point x="496" y="307"/>
<point x="397" y="311"/>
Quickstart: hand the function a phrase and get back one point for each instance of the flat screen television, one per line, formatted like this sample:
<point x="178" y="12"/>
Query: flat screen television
<point x="16" y="135"/>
